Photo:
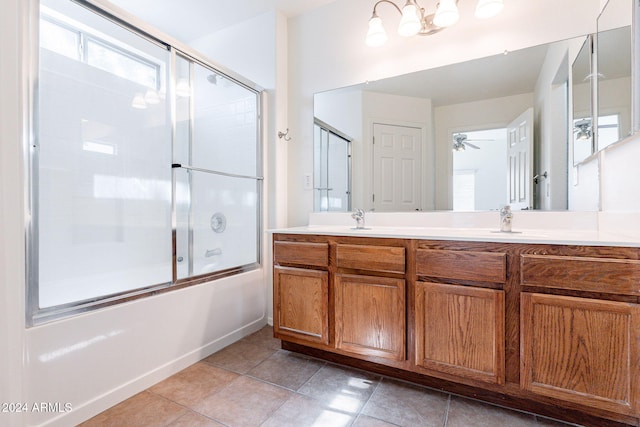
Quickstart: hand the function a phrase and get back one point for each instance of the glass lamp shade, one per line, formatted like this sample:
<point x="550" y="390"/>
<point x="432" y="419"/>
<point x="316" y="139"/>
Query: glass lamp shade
<point x="182" y="88"/>
<point x="488" y="8"/>
<point x="376" y="36"/>
<point x="151" y="97"/>
<point x="410" y="22"/>
<point x="138" y="102"/>
<point x="447" y="13"/>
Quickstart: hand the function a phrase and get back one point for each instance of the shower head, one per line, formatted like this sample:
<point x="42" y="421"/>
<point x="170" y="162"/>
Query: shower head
<point x="213" y="79"/>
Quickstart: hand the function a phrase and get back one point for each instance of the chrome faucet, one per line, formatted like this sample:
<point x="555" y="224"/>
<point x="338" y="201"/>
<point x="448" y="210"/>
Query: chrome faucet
<point x="358" y="215"/>
<point x="505" y="219"/>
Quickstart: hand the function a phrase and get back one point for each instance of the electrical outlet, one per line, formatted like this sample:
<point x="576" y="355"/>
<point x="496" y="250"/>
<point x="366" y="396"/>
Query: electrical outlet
<point x="308" y="182"/>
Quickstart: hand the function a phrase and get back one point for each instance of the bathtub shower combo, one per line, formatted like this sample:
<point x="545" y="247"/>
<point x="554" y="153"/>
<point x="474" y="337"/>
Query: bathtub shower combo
<point x="145" y="165"/>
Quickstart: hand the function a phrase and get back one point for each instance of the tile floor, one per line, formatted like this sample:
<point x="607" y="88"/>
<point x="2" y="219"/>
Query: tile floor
<point x="255" y="383"/>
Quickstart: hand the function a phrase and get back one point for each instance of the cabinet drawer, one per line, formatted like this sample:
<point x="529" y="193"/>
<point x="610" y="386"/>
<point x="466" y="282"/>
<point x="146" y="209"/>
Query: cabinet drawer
<point x="303" y="253"/>
<point x="607" y="275"/>
<point x="462" y="265"/>
<point x="388" y="259"/>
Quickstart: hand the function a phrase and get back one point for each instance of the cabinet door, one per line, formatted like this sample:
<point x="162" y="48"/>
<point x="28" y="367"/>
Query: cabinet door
<point x="301" y="304"/>
<point x="581" y="350"/>
<point x="460" y="331"/>
<point x="370" y="315"/>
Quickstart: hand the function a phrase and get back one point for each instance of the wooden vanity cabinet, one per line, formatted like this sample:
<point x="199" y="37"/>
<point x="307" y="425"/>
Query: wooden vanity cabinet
<point x="370" y="297"/>
<point x="581" y="350"/>
<point x="301" y="291"/>
<point x="549" y="329"/>
<point x="580" y="329"/>
<point x="342" y="294"/>
<point x="459" y="329"/>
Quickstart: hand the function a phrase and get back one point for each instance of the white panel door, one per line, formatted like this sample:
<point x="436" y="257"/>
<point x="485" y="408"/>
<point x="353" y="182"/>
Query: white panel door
<point x="397" y="168"/>
<point x="520" y="161"/>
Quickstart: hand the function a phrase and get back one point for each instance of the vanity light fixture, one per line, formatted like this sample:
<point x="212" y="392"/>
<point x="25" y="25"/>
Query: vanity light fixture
<point x="415" y="21"/>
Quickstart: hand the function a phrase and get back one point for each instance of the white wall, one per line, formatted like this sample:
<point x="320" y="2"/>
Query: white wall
<point x="327" y="50"/>
<point x="94" y="360"/>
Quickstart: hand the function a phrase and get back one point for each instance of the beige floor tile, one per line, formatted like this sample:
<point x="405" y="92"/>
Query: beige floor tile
<point x="365" y="421"/>
<point x="240" y="357"/>
<point x="193" y="419"/>
<point x="286" y="369"/>
<point x="264" y="338"/>
<point x="191" y="385"/>
<point x="407" y="405"/>
<point x="142" y="410"/>
<point x="303" y="411"/>
<point x="245" y="402"/>
<point x="547" y="422"/>
<point x="465" y="412"/>
<point x="341" y="389"/>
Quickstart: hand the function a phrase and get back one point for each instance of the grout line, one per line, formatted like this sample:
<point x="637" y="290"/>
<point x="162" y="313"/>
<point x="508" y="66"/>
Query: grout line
<point x="446" y="411"/>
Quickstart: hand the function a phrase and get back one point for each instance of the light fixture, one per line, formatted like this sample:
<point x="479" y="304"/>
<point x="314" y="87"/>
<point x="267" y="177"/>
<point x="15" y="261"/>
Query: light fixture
<point x="415" y="21"/>
<point x="410" y="22"/>
<point x="458" y="146"/>
<point x="138" y="102"/>
<point x="582" y="129"/>
<point x="151" y="97"/>
<point x="183" y="89"/>
<point x="447" y="13"/>
<point x="488" y="8"/>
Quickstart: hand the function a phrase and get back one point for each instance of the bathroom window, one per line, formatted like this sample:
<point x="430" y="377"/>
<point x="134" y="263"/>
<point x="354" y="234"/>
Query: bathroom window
<point x="129" y="196"/>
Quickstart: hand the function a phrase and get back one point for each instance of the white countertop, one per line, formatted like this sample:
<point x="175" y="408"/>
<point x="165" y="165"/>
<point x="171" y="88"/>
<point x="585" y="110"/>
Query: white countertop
<point x="562" y="228"/>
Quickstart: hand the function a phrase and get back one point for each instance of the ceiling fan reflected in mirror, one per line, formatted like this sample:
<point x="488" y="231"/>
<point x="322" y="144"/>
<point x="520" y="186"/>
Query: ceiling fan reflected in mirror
<point x="461" y="142"/>
<point x="582" y="129"/>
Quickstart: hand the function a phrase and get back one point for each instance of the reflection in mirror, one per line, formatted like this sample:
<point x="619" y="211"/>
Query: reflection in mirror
<point x="614" y="72"/>
<point x="479" y="168"/>
<point x="331" y="169"/>
<point x="581" y="74"/>
<point x="415" y="116"/>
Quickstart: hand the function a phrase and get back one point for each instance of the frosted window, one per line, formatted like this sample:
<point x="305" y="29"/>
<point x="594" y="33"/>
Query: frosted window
<point x="59" y="39"/>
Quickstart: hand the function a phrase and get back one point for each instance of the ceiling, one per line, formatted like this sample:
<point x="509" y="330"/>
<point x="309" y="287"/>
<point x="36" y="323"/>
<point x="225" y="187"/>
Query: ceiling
<point x="187" y="20"/>
<point x="485" y="78"/>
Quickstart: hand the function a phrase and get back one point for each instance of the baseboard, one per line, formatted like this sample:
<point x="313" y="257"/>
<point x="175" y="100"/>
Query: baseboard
<point x="105" y="401"/>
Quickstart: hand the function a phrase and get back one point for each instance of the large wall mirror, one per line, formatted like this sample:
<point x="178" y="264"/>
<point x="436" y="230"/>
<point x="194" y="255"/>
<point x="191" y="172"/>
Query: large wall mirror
<point x="469" y="136"/>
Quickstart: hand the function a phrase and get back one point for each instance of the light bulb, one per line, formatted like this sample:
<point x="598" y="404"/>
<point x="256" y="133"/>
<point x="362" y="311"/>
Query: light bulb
<point x="410" y="22"/>
<point x="138" y="102"/>
<point x="182" y="88"/>
<point x="151" y="97"/>
<point x="376" y="36"/>
<point x="446" y="14"/>
<point x="488" y="8"/>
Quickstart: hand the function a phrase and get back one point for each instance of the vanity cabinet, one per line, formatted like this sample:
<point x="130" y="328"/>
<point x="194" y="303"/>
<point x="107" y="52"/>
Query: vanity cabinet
<point x="580" y="332"/>
<point x="549" y="329"/>
<point x="581" y="350"/>
<point x="459" y="329"/>
<point x="342" y="294"/>
<point x="301" y="291"/>
<point x="370" y="316"/>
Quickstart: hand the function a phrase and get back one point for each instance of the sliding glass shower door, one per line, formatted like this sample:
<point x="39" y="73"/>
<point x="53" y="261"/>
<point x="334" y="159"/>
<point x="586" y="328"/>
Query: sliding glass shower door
<point x="216" y="171"/>
<point x="145" y="166"/>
